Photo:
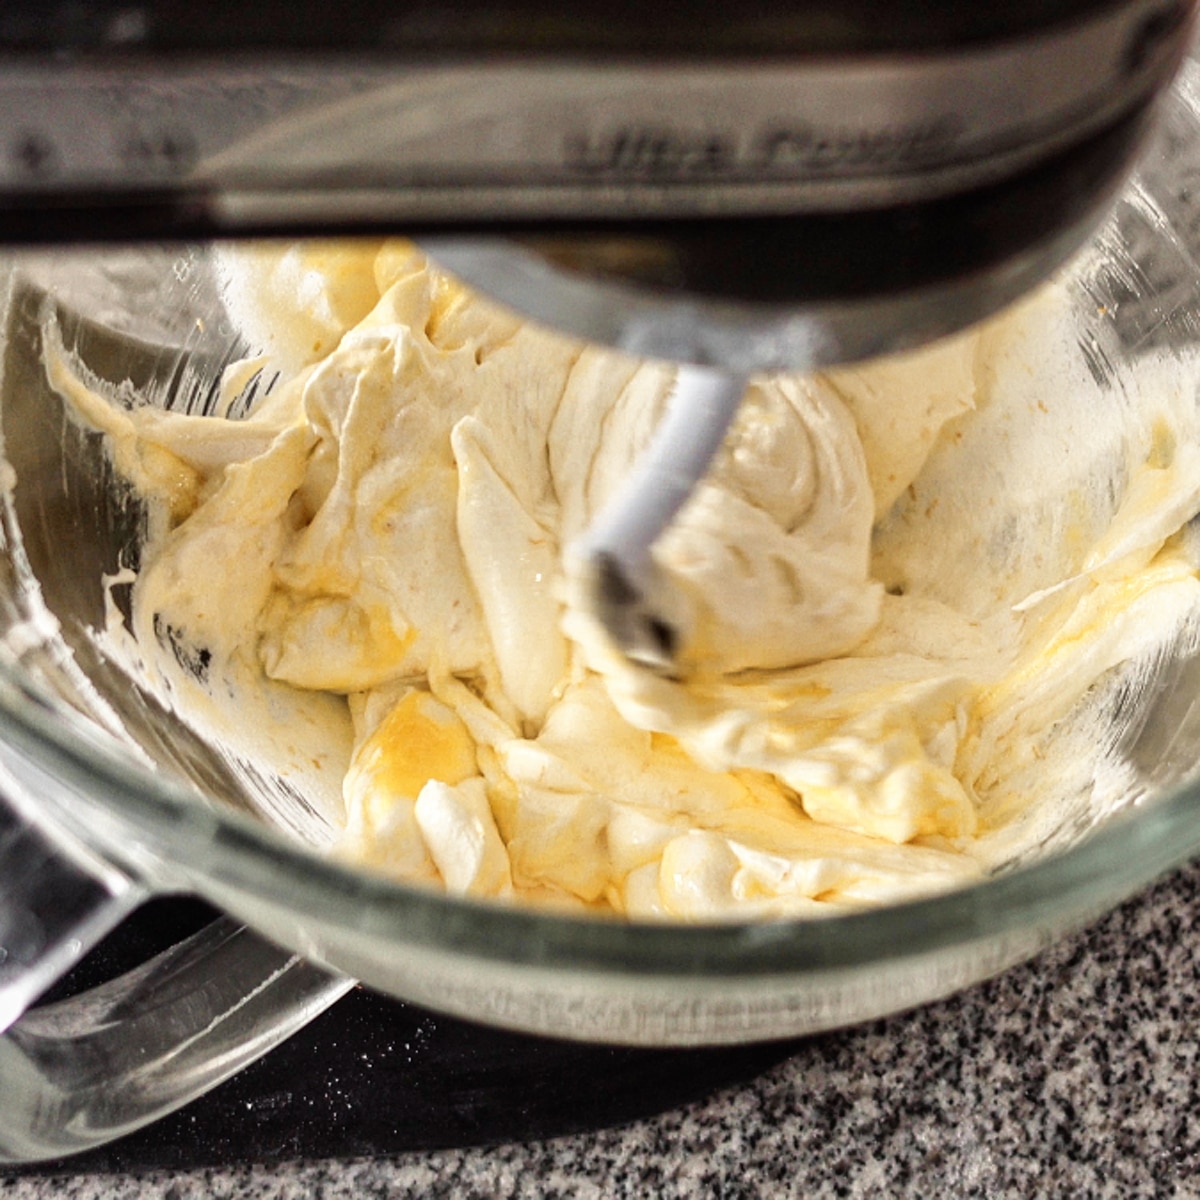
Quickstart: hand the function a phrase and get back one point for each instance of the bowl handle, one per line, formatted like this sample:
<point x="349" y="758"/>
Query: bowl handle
<point x="79" y="1072"/>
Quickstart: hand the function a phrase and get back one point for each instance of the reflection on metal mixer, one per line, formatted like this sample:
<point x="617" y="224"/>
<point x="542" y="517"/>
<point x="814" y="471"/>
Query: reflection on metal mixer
<point x="886" y="173"/>
<point x="783" y="187"/>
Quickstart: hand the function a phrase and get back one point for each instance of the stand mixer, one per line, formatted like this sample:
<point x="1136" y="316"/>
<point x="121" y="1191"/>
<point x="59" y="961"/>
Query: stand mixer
<point x="784" y="187"/>
<point x="756" y="189"/>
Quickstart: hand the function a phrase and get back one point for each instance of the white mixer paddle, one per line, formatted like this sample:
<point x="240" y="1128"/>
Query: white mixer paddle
<point x="620" y="583"/>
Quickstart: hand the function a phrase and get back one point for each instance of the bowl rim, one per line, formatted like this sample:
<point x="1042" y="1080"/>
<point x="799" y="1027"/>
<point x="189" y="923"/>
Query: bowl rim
<point x="163" y="835"/>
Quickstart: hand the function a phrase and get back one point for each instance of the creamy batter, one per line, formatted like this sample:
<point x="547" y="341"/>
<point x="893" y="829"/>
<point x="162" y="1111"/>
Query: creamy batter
<point x="913" y="590"/>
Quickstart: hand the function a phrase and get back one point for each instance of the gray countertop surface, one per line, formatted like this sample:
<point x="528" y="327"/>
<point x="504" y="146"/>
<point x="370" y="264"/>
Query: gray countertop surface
<point x="1077" y="1074"/>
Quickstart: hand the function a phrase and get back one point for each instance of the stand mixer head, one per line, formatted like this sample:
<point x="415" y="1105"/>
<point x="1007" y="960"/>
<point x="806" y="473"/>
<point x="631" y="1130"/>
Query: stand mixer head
<point x="785" y="187"/>
<point x="755" y="188"/>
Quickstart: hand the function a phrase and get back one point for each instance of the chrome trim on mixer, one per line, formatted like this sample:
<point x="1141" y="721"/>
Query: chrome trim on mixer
<point x="327" y="139"/>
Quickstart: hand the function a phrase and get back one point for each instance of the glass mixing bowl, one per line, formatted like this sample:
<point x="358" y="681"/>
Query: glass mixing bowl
<point x="109" y="799"/>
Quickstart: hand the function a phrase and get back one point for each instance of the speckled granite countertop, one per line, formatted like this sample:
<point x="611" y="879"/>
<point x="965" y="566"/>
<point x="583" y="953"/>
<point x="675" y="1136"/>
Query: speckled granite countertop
<point x="1076" y="1075"/>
